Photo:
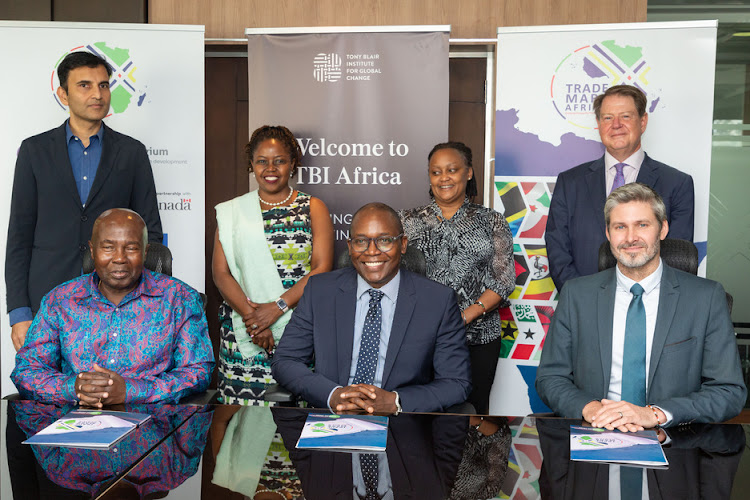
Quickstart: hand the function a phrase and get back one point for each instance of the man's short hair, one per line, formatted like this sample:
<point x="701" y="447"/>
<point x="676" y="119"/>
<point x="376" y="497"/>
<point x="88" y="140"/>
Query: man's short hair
<point x="381" y="207"/>
<point x="624" y="90"/>
<point x="635" y="191"/>
<point x="78" y="60"/>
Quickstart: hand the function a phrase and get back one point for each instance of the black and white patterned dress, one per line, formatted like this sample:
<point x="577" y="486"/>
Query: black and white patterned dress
<point x="470" y="252"/>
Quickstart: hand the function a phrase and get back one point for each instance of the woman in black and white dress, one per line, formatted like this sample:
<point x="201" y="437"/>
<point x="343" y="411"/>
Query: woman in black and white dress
<point x="469" y="248"/>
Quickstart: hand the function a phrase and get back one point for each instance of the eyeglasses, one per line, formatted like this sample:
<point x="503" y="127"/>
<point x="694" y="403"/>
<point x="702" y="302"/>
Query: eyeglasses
<point x="382" y="243"/>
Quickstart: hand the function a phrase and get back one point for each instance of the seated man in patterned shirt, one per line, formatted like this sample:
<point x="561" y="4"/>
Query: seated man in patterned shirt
<point x="119" y="334"/>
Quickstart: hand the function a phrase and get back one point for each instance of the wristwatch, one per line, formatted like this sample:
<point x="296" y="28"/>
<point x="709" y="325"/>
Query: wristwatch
<point x="281" y="303"/>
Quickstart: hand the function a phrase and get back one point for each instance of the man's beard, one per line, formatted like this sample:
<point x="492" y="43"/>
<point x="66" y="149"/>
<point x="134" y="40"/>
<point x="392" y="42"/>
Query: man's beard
<point x="638" y="260"/>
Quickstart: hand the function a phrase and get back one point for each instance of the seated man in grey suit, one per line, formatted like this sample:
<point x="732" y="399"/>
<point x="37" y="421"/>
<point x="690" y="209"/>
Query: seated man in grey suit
<point x="382" y="338"/>
<point x="641" y="344"/>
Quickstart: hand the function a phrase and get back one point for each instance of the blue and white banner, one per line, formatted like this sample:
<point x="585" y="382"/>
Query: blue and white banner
<point x="547" y="79"/>
<point x="157" y="97"/>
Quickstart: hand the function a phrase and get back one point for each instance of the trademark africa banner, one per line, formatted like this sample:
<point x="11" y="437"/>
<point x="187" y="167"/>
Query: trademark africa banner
<point x="156" y="97"/>
<point x="547" y="79"/>
<point x="366" y="105"/>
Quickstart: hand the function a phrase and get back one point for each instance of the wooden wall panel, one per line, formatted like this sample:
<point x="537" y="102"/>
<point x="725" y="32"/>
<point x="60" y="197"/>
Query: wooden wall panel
<point x="468" y="18"/>
<point x="26" y="10"/>
<point x="105" y="11"/>
<point x="466" y="120"/>
<point x="226" y="169"/>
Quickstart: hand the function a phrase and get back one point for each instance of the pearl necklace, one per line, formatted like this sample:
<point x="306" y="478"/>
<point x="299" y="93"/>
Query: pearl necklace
<point x="291" y="190"/>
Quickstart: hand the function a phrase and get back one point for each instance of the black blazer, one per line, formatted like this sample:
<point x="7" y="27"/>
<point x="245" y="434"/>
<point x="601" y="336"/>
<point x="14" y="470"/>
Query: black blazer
<point x="49" y="229"/>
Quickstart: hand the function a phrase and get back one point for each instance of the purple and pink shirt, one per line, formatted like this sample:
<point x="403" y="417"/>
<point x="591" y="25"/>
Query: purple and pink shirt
<point x="156" y="339"/>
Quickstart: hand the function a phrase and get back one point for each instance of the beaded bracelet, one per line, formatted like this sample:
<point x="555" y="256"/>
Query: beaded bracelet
<point x="656" y="414"/>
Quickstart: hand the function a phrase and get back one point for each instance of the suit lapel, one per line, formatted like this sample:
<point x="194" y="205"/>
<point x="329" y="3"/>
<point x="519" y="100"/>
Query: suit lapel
<point x="605" y="318"/>
<point x="344" y="310"/>
<point x="110" y="149"/>
<point x="648" y="173"/>
<point x="401" y="317"/>
<point x="669" y="294"/>
<point x="597" y="186"/>
<point x="62" y="166"/>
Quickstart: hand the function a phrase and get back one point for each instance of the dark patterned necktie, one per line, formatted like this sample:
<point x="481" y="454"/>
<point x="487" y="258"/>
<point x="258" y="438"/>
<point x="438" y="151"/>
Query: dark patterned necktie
<point x="619" y="177"/>
<point x="367" y="361"/>
<point x="368" y="462"/>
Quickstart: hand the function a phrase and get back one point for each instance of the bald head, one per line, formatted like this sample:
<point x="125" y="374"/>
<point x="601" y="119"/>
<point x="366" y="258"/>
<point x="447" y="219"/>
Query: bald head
<point x="121" y="217"/>
<point x="384" y="211"/>
<point x="118" y="246"/>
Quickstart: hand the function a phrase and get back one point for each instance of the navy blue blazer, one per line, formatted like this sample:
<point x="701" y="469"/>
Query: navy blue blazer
<point x="49" y="229"/>
<point x="575" y="227"/>
<point x="427" y="360"/>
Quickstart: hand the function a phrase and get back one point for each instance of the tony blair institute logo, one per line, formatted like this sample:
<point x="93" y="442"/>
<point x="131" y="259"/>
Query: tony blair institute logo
<point x="327" y="67"/>
<point x="125" y="89"/>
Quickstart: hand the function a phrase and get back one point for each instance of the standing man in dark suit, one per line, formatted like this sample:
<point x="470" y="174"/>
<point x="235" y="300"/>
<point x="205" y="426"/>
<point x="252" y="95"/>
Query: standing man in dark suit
<point x="64" y="179"/>
<point x="382" y="338"/>
<point x="641" y="344"/>
<point x="575" y="227"/>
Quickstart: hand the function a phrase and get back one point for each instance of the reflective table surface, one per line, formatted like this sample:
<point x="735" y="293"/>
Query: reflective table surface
<point x="231" y="452"/>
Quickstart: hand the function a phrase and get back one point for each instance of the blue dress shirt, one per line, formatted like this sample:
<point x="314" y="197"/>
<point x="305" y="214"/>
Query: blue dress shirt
<point x="388" y="305"/>
<point x="84" y="160"/>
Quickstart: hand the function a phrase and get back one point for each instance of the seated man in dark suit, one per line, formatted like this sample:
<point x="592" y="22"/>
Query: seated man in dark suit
<point x="575" y="228"/>
<point x="382" y="338"/>
<point x="641" y="344"/>
<point x="121" y="334"/>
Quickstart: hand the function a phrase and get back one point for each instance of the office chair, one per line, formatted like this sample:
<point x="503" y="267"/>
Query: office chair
<point x="676" y="253"/>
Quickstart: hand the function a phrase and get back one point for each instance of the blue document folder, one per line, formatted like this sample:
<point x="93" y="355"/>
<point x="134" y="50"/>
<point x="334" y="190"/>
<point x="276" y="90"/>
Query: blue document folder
<point x="592" y="444"/>
<point x="93" y="429"/>
<point x="344" y="432"/>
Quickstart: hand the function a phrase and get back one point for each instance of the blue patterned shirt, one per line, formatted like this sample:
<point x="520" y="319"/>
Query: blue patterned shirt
<point x="156" y="339"/>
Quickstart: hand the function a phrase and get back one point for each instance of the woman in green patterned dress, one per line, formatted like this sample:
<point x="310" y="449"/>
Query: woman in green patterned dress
<point x="268" y="242"/>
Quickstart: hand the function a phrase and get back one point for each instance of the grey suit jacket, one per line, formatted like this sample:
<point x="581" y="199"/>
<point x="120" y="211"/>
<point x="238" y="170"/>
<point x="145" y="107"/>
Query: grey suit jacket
<point x="694" y="372"/>
<point x="49" y="228"/>
<point x="427" y="360"/>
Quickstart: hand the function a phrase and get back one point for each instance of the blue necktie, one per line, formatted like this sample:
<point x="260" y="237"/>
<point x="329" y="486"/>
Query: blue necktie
<point x="367" y="361"/>
<point x="619" y="177"/>
<point x="634" y="352"/>
<point x="634" y="380"/>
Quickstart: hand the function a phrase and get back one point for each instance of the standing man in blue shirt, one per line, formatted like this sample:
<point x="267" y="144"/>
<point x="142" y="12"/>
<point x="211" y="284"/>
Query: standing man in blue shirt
<point x="65" y="178"/>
